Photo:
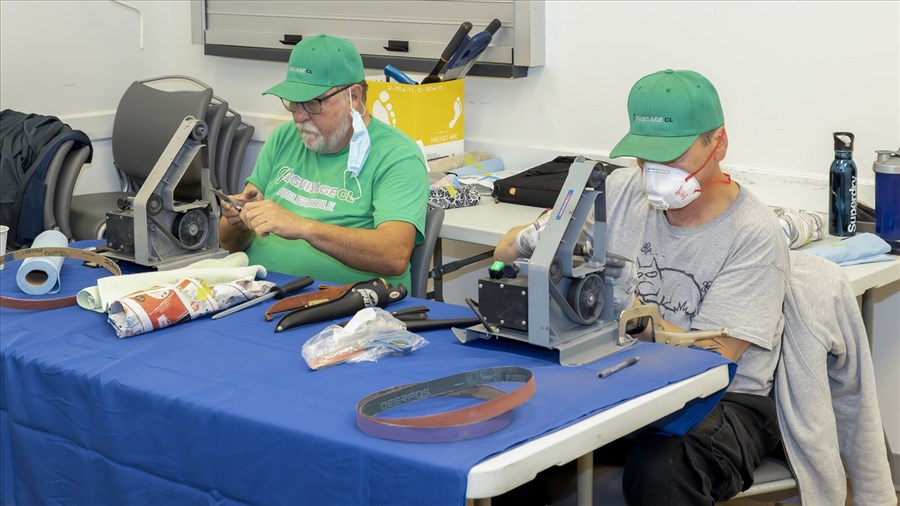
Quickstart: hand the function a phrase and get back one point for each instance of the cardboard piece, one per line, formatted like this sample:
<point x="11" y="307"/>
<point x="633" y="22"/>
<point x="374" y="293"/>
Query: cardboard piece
<point x="431" y="114"/>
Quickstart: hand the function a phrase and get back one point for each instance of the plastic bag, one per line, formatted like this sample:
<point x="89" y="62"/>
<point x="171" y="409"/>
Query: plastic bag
<point x="370" y="335"/>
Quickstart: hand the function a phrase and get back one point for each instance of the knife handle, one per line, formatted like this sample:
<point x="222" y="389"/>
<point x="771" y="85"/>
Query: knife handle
<point x="493" y="26"/>
<point x="292" y="286"/>
<point x="451" y="48"/>
<point x="461" y="32"/>
<point x="423" y="325"/>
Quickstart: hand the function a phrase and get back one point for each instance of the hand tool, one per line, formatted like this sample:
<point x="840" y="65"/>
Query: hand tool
<point x="222" y="196"/>
<point x="421" y="325"/>
<point x="618" y="367"/>
<point x="398" y="75"/>
<point x="410" y="313"/>
<point x="490" y="327"/>
<point x="469" y="51"/>
<point x="461" y="32"/>
<point x="277" y="292"/>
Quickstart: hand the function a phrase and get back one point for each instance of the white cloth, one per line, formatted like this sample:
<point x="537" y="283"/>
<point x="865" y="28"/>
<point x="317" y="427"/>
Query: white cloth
<point x="222" y="270"/>
<point x="825" y="391"/>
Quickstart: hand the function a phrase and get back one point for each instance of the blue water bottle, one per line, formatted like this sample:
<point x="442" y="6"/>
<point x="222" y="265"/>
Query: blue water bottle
<point x="842" y="176"/>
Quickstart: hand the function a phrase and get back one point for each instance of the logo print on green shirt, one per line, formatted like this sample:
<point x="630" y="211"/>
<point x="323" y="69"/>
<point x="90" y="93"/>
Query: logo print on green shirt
<point x="287" y="177"/>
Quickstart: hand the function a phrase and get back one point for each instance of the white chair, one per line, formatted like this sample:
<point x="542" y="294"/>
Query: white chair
<point x="772" y="481"/>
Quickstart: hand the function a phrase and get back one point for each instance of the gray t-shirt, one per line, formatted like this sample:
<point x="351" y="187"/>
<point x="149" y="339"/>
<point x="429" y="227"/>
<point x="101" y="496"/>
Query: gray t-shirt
<point x="731" y="272"/>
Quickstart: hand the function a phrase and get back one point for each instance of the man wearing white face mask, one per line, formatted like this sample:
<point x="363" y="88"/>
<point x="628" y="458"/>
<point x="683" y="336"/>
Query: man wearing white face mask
<point x="336" y="194"/>
<point x="710" y="256"/>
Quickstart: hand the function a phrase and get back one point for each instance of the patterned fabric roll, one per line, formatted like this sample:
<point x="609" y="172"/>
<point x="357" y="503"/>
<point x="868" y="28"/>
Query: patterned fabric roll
<point x="451" y="197"/>
<point x="800" y="226"/>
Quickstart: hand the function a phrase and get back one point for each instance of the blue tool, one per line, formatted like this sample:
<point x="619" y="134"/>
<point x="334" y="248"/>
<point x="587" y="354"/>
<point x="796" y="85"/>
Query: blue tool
<point x="393" y="72"/>
<point x="470" y="49"/>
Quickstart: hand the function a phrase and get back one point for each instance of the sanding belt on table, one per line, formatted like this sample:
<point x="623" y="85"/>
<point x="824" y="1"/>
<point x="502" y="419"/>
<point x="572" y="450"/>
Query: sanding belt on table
<point x="56" y="302"/>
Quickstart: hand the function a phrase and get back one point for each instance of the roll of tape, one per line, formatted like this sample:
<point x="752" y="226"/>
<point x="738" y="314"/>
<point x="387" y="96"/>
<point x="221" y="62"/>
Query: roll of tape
<point x="38" y="276"/>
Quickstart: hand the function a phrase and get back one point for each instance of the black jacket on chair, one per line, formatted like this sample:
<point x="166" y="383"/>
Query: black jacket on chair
<point x="28" y="143"/>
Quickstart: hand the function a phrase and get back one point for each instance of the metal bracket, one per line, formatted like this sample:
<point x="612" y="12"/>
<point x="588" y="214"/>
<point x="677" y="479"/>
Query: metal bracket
<point x="658" y="334"/>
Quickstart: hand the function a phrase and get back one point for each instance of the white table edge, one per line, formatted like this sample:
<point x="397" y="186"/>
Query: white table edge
<point x="507" y="470"/>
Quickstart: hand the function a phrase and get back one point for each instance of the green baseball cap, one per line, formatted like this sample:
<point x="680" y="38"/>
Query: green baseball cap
<point x="667" y="111"/>
<point x="318" y="64"/>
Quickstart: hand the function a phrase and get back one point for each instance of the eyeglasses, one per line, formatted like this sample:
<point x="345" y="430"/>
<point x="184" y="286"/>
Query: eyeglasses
<point x="313" y="106"/>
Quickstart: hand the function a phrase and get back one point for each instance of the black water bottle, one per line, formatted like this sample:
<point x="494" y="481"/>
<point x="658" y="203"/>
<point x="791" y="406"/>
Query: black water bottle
<point x="842" y="176"/>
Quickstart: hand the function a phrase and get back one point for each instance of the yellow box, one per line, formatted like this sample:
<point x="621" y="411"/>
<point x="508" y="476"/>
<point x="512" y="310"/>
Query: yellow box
<point x="432" y="114"/>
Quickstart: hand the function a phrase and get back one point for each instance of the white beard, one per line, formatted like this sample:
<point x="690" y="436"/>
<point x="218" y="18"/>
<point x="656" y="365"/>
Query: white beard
<point x="315" y="141"/>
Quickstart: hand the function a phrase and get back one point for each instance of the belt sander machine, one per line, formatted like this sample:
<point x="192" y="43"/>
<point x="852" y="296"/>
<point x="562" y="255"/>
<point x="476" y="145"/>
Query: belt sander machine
<point x="559" y="298"/>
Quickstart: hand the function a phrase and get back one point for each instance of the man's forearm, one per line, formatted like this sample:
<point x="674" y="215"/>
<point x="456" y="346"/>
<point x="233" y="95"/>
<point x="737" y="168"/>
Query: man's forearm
<point x="729" y="347"/>
<point x="385" y="250"/>
<point x="506" y="250"/>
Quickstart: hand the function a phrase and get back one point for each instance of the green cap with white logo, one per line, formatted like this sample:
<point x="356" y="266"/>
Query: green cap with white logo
<point x="318" y="64"/>
<point x="667" y="111"/>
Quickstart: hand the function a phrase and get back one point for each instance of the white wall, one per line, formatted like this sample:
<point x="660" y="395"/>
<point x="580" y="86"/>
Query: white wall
<point x="788" y="73"/>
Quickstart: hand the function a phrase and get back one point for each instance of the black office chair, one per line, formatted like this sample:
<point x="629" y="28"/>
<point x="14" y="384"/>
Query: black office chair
<point x="422" y="255"/>
<point x="60" y="181"/>
<point x="219" y="175"/>
<point x="144" y="123"/>
<point x="243" y="134"/>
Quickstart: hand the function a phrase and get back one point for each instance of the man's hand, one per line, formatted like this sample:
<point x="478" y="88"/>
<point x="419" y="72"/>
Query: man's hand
<point x="266" y="217"/>
<point x="233" y="233"/>
<point x="233" y="216"/>
<point x="520" y="242"/>
<point x="527" y="238"/>
<point x="384" y="250"/>
<point x="620" y="271"/>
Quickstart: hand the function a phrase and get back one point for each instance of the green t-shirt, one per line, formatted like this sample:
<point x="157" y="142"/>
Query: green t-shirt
<point x="392" y="186"/>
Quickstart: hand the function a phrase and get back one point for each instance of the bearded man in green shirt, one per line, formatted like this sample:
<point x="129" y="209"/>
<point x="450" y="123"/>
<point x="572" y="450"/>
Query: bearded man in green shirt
<point x="335" y="194"/>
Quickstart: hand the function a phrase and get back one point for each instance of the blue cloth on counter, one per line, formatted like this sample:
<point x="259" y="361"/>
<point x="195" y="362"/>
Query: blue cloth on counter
<point x="227" y="412"/>
<point x="481" y="168"/>
<point x="858" y="249"/>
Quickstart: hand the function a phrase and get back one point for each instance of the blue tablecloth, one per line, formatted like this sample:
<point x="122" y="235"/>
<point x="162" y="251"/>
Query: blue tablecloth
<point x="227" y="412"/>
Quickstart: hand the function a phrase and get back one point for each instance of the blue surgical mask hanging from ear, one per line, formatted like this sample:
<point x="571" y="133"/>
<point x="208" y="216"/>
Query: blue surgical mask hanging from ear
<point x="360" y="143"/>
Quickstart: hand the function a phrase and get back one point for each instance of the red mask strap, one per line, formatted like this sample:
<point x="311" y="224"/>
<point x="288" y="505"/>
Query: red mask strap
<point x="726" y="180"/>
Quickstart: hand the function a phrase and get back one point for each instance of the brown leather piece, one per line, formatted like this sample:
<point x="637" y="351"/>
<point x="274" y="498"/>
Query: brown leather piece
<point x="326" y="293"/>
<point x="57" y="302"/>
